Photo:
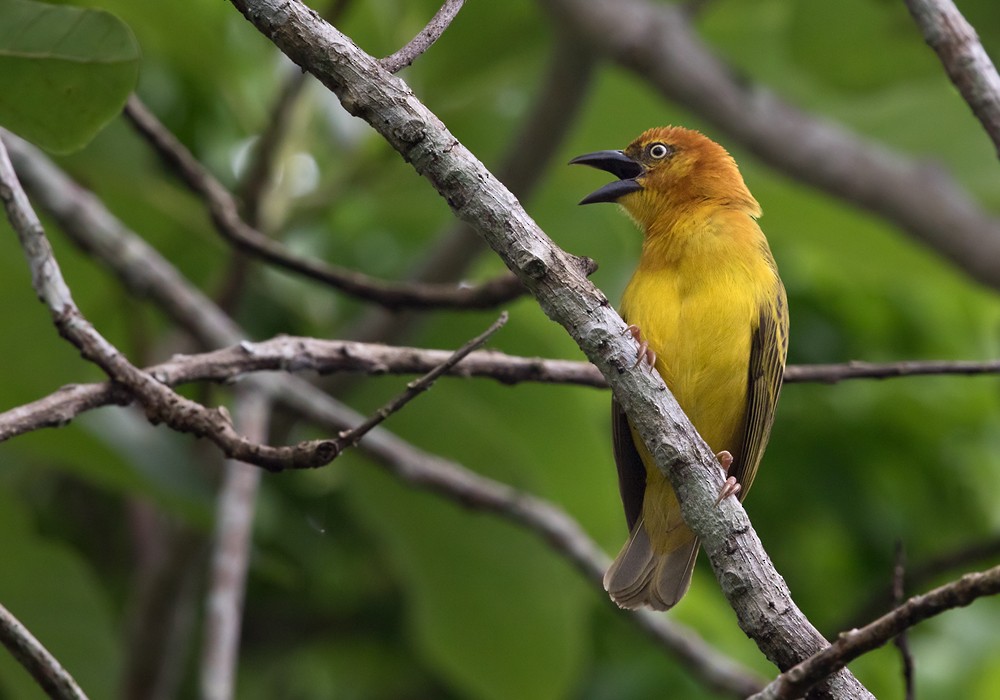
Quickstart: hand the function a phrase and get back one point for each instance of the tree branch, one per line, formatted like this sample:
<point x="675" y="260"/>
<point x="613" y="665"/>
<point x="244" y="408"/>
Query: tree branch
<point x="301" y="354"/>
<point x="225" y="213"/>
<point x="234" y="512"/>
<point x="36" y="659"/>
<point x="856" y="369"/>
<point x="964" y="59"/>
<point x="657" y="42"/>
<point x="425" y="39"/>
<point x="755" y="590"/>
<point x="794" y="682"/>
<point x="158" y="400"/>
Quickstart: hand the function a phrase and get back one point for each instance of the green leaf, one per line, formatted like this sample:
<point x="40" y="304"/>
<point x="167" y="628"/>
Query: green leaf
<point x="65" y="72"/>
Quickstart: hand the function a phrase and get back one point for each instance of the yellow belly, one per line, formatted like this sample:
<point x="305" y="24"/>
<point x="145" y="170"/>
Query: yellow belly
<point x="701" y="333"/>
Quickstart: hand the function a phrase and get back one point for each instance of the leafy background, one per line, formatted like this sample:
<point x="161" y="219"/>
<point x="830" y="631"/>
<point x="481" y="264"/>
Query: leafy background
<point x="361" y="587"/>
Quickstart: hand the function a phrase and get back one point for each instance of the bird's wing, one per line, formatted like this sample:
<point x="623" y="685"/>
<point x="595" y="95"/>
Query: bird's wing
<point x="631" y="470"/>
<point x="768" y="349"/>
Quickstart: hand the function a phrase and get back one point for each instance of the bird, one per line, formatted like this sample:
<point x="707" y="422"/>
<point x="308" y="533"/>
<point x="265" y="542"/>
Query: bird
<point x="710" y="312"/>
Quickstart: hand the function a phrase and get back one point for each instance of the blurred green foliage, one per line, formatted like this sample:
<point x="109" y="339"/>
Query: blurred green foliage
<point x="361" y="587"/>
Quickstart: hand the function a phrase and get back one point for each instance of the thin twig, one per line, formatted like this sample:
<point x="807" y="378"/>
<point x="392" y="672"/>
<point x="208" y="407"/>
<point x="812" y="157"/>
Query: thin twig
<point x="794" y="682"/>
<point x="964" y="59"/>
<point x="160" y="402"/>
<point x="418" y="386"/>
<point x="36" y="659"/>
<point x="856" y="369"/>
<point x="425" y="39"/>
<point x="901" y="640"/>
<point x="225" y="213"/>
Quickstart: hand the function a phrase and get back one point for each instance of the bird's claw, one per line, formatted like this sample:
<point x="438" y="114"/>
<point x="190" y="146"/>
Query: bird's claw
<point x="645" y="352"/>
<point x="732" y="486"/>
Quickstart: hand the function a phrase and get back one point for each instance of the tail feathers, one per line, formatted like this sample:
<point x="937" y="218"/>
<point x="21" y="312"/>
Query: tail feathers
<point x="639" y="577"/>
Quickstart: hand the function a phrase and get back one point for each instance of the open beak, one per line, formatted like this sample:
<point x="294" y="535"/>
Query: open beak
<point x="619" y="165"/>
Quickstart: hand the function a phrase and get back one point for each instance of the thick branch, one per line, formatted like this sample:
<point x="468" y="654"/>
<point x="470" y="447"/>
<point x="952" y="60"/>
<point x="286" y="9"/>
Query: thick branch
<point x="964" y="58"/>
<point x="657" y="41"/>
<point x="756" y="591"/>
<point x="794" y="682"/>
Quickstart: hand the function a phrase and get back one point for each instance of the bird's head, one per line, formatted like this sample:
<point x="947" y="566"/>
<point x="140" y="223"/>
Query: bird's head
<point x="667" y="171"/>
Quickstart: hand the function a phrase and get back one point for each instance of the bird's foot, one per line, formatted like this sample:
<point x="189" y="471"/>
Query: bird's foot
<point x="732" y="486"/>
<point x="645" y="352"/>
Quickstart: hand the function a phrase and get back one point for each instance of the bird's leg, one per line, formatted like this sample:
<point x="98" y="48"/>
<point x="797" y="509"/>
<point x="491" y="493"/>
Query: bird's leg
<point x="732" y="486"/>
<point x="645" y="352"/>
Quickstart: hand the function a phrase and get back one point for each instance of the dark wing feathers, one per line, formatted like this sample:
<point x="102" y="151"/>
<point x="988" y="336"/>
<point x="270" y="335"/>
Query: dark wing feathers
<point x="631" y="470"/>
<point x="768" y="348"/>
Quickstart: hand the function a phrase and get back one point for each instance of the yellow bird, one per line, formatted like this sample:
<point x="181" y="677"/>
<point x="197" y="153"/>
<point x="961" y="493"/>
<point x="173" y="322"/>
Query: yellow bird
<point x="707" y="302"/>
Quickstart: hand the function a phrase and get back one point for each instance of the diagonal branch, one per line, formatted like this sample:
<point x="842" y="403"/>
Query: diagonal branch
<point x="425" y="39"/>
<point x="755" y="590"/>
<point x="225" y="213"/>
<point x="36" y="659"/>
<point x="964" y="59"/>
<point x="794" y="682"/>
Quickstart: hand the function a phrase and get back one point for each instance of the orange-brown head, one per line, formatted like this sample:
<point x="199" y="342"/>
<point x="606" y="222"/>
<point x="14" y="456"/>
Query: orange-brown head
<point x="668" y="171"/>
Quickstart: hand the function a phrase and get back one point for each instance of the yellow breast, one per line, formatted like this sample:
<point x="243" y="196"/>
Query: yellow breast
<point x="695" y="298"/>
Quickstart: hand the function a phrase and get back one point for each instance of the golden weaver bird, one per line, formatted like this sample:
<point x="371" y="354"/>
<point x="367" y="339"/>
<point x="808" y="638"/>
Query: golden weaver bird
<point x="709" y="310"/>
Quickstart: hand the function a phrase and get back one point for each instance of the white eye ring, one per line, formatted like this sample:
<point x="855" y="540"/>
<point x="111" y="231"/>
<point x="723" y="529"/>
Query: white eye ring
<point x="658" y="151"/>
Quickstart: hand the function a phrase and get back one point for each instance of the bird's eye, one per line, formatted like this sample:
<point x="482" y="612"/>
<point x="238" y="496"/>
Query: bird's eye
<point x="658" y="151"/>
